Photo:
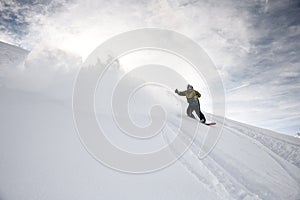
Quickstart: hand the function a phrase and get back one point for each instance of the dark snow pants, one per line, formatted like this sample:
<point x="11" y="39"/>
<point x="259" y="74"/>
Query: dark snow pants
<point x="195" y="107"/>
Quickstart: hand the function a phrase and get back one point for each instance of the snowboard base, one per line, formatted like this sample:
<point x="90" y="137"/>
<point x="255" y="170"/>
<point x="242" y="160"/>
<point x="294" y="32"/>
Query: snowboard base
<point x="210" y="124"/>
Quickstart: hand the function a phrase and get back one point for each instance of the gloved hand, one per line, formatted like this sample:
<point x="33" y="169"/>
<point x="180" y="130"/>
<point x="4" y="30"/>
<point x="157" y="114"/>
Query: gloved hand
<point x="176" y="91"/>
<point x="198" y="96"/>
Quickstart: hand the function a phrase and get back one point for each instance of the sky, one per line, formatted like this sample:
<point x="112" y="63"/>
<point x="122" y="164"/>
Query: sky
<point x="255" y="44"/>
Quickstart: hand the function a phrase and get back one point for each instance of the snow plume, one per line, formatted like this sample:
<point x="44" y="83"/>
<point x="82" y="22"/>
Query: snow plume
<point x="47" y="71"/>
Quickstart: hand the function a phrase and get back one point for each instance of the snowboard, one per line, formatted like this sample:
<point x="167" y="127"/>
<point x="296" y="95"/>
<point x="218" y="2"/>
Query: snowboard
<point x="210" y="124"/>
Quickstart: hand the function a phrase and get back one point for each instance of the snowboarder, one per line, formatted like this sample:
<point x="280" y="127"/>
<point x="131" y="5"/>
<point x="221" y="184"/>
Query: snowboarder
<point x="194" y="104"/>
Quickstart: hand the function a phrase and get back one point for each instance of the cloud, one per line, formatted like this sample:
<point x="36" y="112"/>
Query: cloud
<point x="17" y="17"/>
<point x="79" y="26"/>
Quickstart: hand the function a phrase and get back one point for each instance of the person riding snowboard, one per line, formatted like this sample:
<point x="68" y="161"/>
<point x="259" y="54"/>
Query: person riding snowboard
<point x="194" y="104"/>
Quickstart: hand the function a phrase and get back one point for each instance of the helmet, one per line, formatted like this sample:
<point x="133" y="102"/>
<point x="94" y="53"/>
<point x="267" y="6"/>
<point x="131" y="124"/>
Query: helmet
<point x="189" y="87"/>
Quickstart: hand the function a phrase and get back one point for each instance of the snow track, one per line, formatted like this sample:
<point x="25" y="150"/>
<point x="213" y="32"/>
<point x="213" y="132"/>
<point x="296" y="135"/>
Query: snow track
<point x="284" y="146"/>
<point x="213" y="176"/>
<point x="217" y="175"/>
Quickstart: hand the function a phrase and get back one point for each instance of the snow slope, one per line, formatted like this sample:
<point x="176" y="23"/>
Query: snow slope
<point x="42" y="156"/>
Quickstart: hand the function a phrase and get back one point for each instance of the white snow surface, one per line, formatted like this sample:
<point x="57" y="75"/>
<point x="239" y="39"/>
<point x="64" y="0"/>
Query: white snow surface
<point x="43" y="158"/>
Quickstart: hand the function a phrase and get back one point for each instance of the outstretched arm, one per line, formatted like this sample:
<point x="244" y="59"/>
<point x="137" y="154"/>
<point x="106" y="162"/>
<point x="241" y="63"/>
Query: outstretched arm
<point x="183" y="93"/>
